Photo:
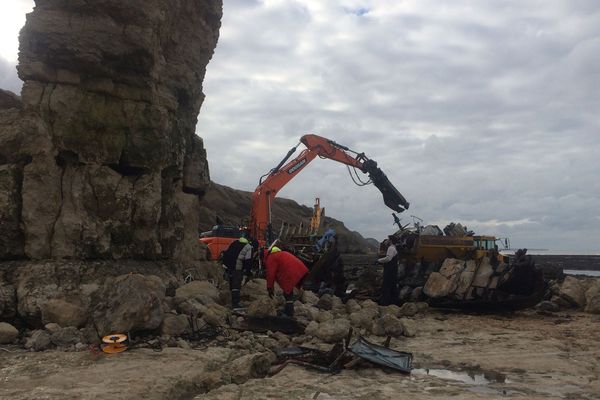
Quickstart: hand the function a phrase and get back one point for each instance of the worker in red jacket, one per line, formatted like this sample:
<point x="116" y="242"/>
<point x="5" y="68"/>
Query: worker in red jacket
<point x="288" y="271"/>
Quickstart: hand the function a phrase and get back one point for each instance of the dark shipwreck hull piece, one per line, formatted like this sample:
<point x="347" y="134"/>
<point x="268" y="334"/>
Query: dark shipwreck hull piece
<point x="524" y="289"/>
<point x="505" y="302"/>
<point x="382" y="355"/>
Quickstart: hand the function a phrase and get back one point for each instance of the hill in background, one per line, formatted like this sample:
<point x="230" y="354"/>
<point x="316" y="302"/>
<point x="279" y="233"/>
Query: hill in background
<point x="233" y="207"/>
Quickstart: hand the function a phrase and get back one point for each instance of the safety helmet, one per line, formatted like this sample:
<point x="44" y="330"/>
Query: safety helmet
<point x="266" y="251"/>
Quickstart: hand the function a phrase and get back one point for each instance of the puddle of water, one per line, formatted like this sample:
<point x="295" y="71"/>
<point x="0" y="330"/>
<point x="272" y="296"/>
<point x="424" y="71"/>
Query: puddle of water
<point x="468" y="377"/>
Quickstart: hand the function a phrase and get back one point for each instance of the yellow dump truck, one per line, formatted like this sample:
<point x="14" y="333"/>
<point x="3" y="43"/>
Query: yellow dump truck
<point x="427" y="248"/>
<point x="466" y="270"/>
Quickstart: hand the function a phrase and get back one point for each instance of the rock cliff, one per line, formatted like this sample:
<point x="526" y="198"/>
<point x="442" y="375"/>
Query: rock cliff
<point x="99" y="157"/>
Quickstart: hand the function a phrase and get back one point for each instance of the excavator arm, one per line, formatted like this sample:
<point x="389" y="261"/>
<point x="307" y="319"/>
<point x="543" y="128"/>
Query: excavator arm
<point x="278" y="177"/>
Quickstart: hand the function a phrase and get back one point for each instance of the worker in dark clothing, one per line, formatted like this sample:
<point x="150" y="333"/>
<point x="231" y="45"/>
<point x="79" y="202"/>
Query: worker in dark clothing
<point x="288" y="271"/>
<point x="389" y="292"/>
<point x="237" y="259"/>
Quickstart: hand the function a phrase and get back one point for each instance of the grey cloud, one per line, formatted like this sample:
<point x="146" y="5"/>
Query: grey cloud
<point x="483" y="112"/>
<point x="8" y="77"/>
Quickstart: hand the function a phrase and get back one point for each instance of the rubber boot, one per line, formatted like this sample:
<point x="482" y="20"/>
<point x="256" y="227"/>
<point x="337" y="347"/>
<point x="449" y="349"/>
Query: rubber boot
<point x="235" y="298"/>
<point x="288" y="309"/>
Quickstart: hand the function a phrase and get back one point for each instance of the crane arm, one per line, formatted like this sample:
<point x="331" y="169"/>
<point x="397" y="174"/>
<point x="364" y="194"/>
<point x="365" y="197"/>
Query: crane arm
<point x="285" y="171"/>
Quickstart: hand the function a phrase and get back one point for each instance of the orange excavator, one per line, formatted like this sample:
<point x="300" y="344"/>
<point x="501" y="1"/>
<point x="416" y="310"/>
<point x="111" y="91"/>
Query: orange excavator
<point x="260" y="227"/>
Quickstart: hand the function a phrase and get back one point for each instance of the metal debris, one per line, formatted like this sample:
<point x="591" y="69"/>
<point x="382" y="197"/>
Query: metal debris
<point x="382" y="355"/>
<point x="344" y="356"/>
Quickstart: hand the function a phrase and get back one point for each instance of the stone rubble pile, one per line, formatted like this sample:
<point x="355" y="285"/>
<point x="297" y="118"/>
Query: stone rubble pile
<point x="133" y="303"/>
<point x="581" y="293"/>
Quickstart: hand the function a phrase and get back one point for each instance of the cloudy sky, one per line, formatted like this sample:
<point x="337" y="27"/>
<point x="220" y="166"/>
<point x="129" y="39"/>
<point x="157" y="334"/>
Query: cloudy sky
<point x="481" y="112"/>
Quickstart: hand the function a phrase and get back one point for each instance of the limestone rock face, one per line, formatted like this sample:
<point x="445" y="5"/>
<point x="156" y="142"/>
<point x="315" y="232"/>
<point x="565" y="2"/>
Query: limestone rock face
<point x="8" y="302"/>
<point x="99" y="157"/>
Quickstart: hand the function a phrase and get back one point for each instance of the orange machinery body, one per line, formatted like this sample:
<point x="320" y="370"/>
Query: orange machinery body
<point x="217" y="243"/>
<point x="216" y="246"/>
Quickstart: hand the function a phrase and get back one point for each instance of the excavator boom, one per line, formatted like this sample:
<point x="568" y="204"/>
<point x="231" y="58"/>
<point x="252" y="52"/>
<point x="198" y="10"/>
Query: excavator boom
<point x="278" y="177"/>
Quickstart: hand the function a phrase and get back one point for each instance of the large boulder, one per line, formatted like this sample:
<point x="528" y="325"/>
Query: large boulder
<point x="309" y="297"/>
<point x="332" y="331"/>
<point x="132" y="302"/>
<point x="65" y="337"/>
<point x="215" y="314"/>
<point x="572" y="291"/>
<point x="203" y="292"/>
<point x="592" y="298"/>
<point x="262" y="307"/>
<point x="8" y="333"/>
<point x="408" y="310"/>
<point x="250" y="366"/>
<point x="409" y="327"/>
<point x="547" y="306"/>
<point x="352" y="306"/>
<point x="64" y="313"/>
<point x="305" y="312"/>
<point x="442" y="283"/>
<point x="256" y="289"/>
<point x="324" y="316"/>
<point x="325" y="302"/>
<point x="392" y="309"/>
<point x="387" y="325"/>
<point x="561" y="302"/>
<point x="174" y="325"/>
<point x="364" y="318"/>
<point x="38" y="341"/>
<point x="369" y="304"/>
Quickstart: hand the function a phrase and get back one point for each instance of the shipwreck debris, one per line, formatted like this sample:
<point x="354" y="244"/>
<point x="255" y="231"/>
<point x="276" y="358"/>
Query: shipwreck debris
<point x="382" y="355"/>
<point x="345" y="356"/>
<point x="459" y="269"/>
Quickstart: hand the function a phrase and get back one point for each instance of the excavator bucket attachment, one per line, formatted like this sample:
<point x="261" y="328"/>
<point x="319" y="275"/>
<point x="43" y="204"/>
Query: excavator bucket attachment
<point x="391" y="196"/>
